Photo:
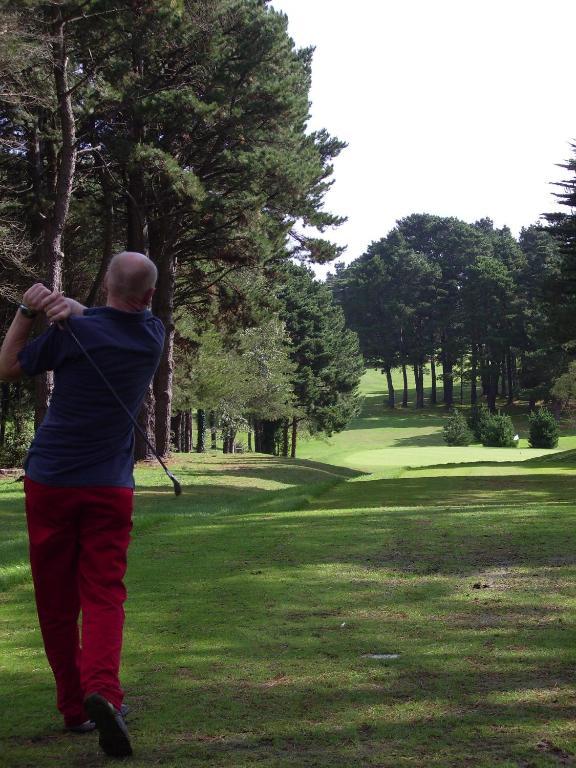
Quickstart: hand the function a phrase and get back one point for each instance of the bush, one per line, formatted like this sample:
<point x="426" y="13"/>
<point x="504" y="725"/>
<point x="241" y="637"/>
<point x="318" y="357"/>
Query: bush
<point x="543" y="429"/>
<point x="16" y="444"/>
<point x="477" y="419"/>
<point x="498" y="432"/>
<point x="455" y="430"/>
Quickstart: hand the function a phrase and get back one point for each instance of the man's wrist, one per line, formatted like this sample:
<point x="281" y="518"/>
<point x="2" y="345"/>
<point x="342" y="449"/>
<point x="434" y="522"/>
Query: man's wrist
<point x="30" y="314"/>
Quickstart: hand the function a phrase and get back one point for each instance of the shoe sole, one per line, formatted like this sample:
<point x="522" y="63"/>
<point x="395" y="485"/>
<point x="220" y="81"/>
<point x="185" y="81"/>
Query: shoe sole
<point x="113" y="736"/>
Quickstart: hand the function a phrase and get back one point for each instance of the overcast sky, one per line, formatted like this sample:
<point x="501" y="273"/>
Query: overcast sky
<point x="452" y="107"/>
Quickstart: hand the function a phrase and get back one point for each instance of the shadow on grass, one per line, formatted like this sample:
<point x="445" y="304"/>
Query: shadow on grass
<point x="449" y="491"/>
<point x="565" y="459"/>
<point x="418" y="440"/>
<point x="379" y="416"/>
<point x="271" y="679"/>
<point x="264" y="467"/>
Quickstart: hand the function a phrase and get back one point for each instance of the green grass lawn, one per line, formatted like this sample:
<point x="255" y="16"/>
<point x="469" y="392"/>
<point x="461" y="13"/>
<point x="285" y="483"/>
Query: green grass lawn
<point x="382" y="601"/>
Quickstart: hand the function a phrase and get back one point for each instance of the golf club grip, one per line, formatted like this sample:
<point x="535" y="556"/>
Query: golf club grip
<point x="116" y="397"/>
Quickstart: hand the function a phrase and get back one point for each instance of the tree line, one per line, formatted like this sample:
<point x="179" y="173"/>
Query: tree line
<point x="468" y="302"/>
<point x="178" y="128"/>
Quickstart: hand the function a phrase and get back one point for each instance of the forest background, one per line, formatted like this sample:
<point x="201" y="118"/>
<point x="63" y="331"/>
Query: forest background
<point x="180" y="129"/>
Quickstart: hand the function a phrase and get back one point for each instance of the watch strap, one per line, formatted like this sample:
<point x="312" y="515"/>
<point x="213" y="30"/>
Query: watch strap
<point x="27" y="312"/>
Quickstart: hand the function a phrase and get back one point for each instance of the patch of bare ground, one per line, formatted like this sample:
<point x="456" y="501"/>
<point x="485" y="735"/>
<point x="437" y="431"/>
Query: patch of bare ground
<point x="493" y="615"/>
<point x="561" y="755"/>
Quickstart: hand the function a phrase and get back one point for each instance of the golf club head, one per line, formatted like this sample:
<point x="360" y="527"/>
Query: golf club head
<point x="176" y="484"/>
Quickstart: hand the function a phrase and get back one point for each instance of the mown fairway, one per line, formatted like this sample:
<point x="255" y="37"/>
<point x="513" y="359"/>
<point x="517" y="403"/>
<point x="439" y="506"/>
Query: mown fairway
<point x="258" y="599"/>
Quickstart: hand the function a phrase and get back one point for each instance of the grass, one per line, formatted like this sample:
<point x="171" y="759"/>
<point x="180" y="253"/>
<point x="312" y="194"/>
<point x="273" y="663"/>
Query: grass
<point x="258" y="599"/>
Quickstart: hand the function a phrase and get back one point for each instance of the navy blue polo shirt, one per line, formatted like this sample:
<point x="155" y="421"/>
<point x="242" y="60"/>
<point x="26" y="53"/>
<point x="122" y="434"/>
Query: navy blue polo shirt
<point x="86" y="438"/>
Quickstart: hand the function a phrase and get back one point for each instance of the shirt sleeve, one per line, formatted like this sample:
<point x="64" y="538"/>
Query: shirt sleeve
<point x="45" y="353"/>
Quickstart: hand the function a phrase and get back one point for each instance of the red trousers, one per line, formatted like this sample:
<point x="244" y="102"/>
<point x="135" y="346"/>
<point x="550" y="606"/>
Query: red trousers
<point x="78" y="543"/>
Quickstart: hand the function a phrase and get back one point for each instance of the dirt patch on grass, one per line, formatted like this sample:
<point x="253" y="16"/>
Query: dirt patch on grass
<point x="561" y="755"/>
<point x="495" y="616"/>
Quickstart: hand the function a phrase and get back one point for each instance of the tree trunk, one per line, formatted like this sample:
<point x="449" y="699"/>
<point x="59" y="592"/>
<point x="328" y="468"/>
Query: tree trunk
<point x="405" y="386"/>
<point x="462" y="361"/>
<point x="269" y="436"/>
<point x="510" y="377"/>
<point x="213" y="431"/>
<point x="4" y="407"/>
<point x="187" y="432"/>
<point x="391" y="397"/>
<point x="52" y="255"/>
<point x="164" y="309"/>
<point x="285" y="437"/>
<point x="503" y="378"/>
<point x="433" y="393"/>
<point x="294" y="437"/>
<point x="176" y="430"/>
<point x="492" y="385"/>
<point x="419" y="382"/>
<point x="107" y="239"/>
<point x="229" y="439"/>
<point x="200" y="430"/>
<point x="448" y="380"/>
<point x="146" y="420"/>
<point x="473" y="375"/>
<point x="137" y="223"/>
<point x="250" y="424"/>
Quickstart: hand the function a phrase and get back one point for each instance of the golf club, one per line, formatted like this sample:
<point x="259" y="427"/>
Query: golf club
<point x="175" y="482"/>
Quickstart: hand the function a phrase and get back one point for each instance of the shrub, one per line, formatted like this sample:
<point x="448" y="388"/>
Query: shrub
<point x="478" y="417"/>
<point x="16" y="444"/>
<point x="543" y="429"/>
<point x="498" y="432"/>
<point x="455" y="430"/>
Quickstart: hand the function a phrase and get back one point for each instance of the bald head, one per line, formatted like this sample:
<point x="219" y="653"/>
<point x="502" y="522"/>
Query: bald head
<point x="131" y="278"/>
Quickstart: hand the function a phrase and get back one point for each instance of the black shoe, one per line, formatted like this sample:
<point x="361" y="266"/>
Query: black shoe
<point x="113" y="734"/>
<point x="89" y="725"/>
<point x="86" y="727"/>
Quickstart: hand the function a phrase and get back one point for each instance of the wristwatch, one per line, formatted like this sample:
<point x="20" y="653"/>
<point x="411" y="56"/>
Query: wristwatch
<point x="27" y="312"/>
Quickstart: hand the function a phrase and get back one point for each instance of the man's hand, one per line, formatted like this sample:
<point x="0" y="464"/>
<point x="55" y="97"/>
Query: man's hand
<point x="54" y="304"/>
<point x="36" y="296"/>
<point x="57" y="307"/>
<point x="18" y="333"/>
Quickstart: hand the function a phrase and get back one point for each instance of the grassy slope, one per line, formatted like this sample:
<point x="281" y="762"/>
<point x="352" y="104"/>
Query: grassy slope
<point x="380" y="440"/>
<point x="255" y="598"/>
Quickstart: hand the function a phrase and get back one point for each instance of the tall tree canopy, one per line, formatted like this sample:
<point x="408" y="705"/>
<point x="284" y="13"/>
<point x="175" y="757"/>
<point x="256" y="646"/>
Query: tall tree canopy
<point x="174" y="128"/>
<point x="466" y="295"/>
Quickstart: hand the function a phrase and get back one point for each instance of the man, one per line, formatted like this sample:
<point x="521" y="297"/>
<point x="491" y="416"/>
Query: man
<point x="79" y="484"/>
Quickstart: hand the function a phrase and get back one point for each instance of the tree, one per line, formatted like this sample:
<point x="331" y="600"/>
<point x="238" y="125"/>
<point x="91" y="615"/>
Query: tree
<point x="387" y="297"/>
<point x="209" y="148"/>
<point x="326" y="355"/>
<point x="451" y="246"/>
<point x="543" y="429"/>
<point x="183" y="127"/>
<point x="455" y="430"/>
<point x="241" y="377"/>
<point x="564" y="391"/>
<point x="562" y="226"/>
<point x="541" y="354"/>
<point x="488" y="296"/>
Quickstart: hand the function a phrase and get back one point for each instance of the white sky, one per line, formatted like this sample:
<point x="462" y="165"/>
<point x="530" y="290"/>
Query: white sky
<point x="452" y="107"/>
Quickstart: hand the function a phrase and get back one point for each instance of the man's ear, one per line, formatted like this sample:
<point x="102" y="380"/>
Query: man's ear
<point x="147" y="298"/>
